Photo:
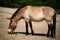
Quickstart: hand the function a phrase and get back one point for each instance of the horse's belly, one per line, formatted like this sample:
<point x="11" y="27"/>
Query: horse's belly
<point x="37" y="17"/>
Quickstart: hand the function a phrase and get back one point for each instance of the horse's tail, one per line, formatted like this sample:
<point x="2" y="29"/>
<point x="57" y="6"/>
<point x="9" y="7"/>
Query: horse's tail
<point x="54" y="19"/>
<point x="54" y="23"/>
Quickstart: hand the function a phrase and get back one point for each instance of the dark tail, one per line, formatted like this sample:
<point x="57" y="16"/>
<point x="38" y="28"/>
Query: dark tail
<point x="54" y="19"/>
<point x="54" y="24"/>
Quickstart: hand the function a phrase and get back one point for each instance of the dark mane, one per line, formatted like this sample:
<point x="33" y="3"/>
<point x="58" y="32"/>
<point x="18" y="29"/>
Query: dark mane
<point x="17" y="11"/>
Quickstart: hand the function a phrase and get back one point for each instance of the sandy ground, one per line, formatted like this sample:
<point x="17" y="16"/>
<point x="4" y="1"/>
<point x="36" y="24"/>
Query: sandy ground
<point x="40" y="28"/>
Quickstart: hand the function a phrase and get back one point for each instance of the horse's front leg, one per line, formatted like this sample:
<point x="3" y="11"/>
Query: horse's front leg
<point x="26" y="24"/>
<point x="31" y="27"/>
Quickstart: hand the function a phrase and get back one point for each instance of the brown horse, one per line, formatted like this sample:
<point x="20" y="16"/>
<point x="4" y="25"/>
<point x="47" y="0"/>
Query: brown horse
<point x="37" y="14"/>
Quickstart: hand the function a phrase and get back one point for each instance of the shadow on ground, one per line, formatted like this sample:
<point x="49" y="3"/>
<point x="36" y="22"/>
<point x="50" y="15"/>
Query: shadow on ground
<point x="35" y="34"/>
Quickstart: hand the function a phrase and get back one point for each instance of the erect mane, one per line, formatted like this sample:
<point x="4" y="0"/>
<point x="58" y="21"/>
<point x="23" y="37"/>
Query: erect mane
<point x="17" y="11"/>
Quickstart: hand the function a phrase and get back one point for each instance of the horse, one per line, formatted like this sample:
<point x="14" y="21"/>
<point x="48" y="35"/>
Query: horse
<point x="36" y="14"/>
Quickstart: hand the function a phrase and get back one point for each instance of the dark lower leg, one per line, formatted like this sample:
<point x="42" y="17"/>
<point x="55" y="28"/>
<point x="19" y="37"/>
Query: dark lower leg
<point x="53" y="31"/>
<point x="26" y="28"/>
<point x="31" y="27"/>
<point x="49" y="28"/>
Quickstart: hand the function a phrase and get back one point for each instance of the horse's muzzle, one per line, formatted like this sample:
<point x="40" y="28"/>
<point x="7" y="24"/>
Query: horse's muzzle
<point x="10" y="31"/>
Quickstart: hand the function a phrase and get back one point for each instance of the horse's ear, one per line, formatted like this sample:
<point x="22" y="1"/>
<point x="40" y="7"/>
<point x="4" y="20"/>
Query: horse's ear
<point x="8" y="18"/>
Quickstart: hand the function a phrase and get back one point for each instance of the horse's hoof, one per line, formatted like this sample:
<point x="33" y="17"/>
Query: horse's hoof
<point x="47" y="36"/>
<point x="53" y="36"/>
<point x="26" y="34"/>
<point x="32" y="33"/>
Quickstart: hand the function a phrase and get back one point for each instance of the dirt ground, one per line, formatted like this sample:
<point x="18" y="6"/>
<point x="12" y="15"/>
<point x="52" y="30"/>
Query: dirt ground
<point x="40" y="28"/>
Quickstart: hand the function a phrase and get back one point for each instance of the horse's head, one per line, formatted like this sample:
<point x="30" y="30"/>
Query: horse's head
<point x="11" y="27"/>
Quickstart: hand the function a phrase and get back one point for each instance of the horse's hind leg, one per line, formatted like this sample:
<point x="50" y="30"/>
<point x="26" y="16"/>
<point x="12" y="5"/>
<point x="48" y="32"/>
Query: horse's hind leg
<point x="50" y="28"/>
<point x="31" y="27"/>
<point x="54" y="31"/>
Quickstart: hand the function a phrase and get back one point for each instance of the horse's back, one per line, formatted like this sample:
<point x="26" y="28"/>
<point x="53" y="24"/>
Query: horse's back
<point x="38" y="12"/>
<point x="35" y="9"/>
